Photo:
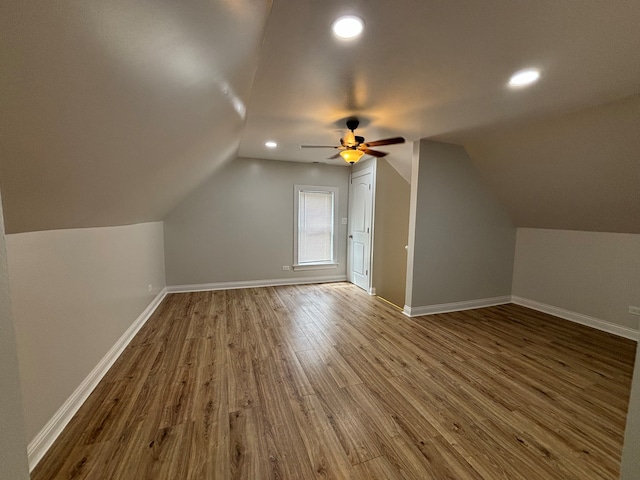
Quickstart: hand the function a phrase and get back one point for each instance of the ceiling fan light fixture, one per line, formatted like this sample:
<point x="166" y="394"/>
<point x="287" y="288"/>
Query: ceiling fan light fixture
<point x="349" y="139"/>
<point x="351" y="155"/>
<point x="348" y="27"/>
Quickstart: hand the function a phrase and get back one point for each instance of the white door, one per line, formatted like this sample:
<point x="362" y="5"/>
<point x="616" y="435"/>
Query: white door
<point x="360" y="200"/>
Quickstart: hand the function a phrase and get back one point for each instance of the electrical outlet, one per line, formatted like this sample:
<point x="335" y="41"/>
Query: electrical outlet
<point x="150" y="287"/>
<point x="285" y="268"/>
<point x="634" y="310"/>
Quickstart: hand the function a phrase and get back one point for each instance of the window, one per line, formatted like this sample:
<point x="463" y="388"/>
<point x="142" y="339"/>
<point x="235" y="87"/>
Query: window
<point x="315" y="227"/>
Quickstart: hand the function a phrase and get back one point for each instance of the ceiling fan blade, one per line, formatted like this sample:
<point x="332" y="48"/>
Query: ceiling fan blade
<point x="375" y="153"/>
<point x="386" y="141"/>
<point x="337" y="155"/>
<point x="318" y="146"/>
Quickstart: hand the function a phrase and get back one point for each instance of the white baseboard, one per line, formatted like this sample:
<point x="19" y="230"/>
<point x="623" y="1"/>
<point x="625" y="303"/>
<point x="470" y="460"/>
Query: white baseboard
<point x="203" y="287"/>
<point x="455" y="306"/>
<point x="372" y="291"/>
<point x="45" y="437"/>
<point x="596" y="323"/>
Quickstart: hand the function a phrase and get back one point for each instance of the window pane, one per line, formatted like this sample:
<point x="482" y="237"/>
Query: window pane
<point x="315" y="227"/>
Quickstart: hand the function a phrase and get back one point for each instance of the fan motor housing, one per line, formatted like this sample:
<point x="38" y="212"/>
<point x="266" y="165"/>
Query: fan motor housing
<point x="352" y="124"/>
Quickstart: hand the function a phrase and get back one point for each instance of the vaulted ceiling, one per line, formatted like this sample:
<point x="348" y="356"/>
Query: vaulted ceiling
<point x="113" y="110"/>
<point x="579" y="171"/>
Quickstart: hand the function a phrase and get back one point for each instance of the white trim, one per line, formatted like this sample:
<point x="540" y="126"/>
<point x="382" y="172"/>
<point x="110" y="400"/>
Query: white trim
<point x="315" y="266"/>
<point x="296" y="218"/>
<point x="203" y="287"/>
<point x="45" y="437"/>
<point x="371" y="168"/>
<point x="580" y="318"/>
<point x="455" y="306"/>
<point x="575" y="317"/>
<point x="374" y="182"/>
<point x="372" y="291"/>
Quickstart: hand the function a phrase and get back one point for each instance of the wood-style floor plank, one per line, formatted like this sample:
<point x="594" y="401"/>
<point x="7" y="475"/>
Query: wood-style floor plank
<point x="326" y="382"/>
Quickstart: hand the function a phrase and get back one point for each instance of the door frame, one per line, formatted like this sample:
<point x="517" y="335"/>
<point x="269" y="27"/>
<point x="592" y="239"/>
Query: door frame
<point x="370" y="167"/>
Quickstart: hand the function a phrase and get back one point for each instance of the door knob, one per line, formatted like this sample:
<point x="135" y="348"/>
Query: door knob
<point x="350" y="236"/>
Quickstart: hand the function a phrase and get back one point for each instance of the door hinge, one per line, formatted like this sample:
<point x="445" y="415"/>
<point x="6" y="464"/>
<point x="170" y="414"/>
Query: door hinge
<point x="367" y="229"/>
<point x="369" y="186"/>
<point x="366" y="272"/>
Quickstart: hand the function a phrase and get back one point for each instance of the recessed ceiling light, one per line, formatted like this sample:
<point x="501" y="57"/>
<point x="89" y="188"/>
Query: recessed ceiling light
<point x="524" y="77"/>
<point x="348" y="27"/>
<point x="270" y="144"/>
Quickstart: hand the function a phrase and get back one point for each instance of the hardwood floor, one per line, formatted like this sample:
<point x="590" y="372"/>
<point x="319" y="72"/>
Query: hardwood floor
<point x="323" y="381"/>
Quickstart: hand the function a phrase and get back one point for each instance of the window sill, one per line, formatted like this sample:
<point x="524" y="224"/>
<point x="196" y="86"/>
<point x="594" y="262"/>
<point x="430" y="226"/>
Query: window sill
<point x="315" y="266"/>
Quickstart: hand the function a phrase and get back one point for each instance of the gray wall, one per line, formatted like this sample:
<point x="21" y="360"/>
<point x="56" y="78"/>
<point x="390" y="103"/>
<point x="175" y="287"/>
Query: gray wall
<point x="630" y="467"/>
<point x="462" y="240"/>
<point x="13" y="444"/>
<point x="391" y="233"/>
<point x="592" y="273"/>
<point x="238" y="226"/>
<point x="74" y="293"/>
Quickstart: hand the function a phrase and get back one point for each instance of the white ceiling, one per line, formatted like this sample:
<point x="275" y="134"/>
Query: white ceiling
<point x="113" y="110"/>
<point x="433" y="69"/>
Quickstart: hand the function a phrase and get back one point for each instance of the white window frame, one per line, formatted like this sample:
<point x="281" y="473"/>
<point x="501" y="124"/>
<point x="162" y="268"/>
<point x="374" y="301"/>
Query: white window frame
<point x="323" y="265"/>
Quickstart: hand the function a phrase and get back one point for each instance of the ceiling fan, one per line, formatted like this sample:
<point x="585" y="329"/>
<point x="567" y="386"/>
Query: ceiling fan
<point x="354" y="147"/>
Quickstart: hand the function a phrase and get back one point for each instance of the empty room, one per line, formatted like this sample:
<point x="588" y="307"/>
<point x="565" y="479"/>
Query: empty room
<point x="278" y="239"/>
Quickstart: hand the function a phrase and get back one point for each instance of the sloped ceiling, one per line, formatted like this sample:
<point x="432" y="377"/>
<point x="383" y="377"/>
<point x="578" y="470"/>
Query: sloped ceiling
<point x="112" y="110"/>
<point x="433" y="68"/>
<point x="579" y="171"/>
<point x="439" y="70"/>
